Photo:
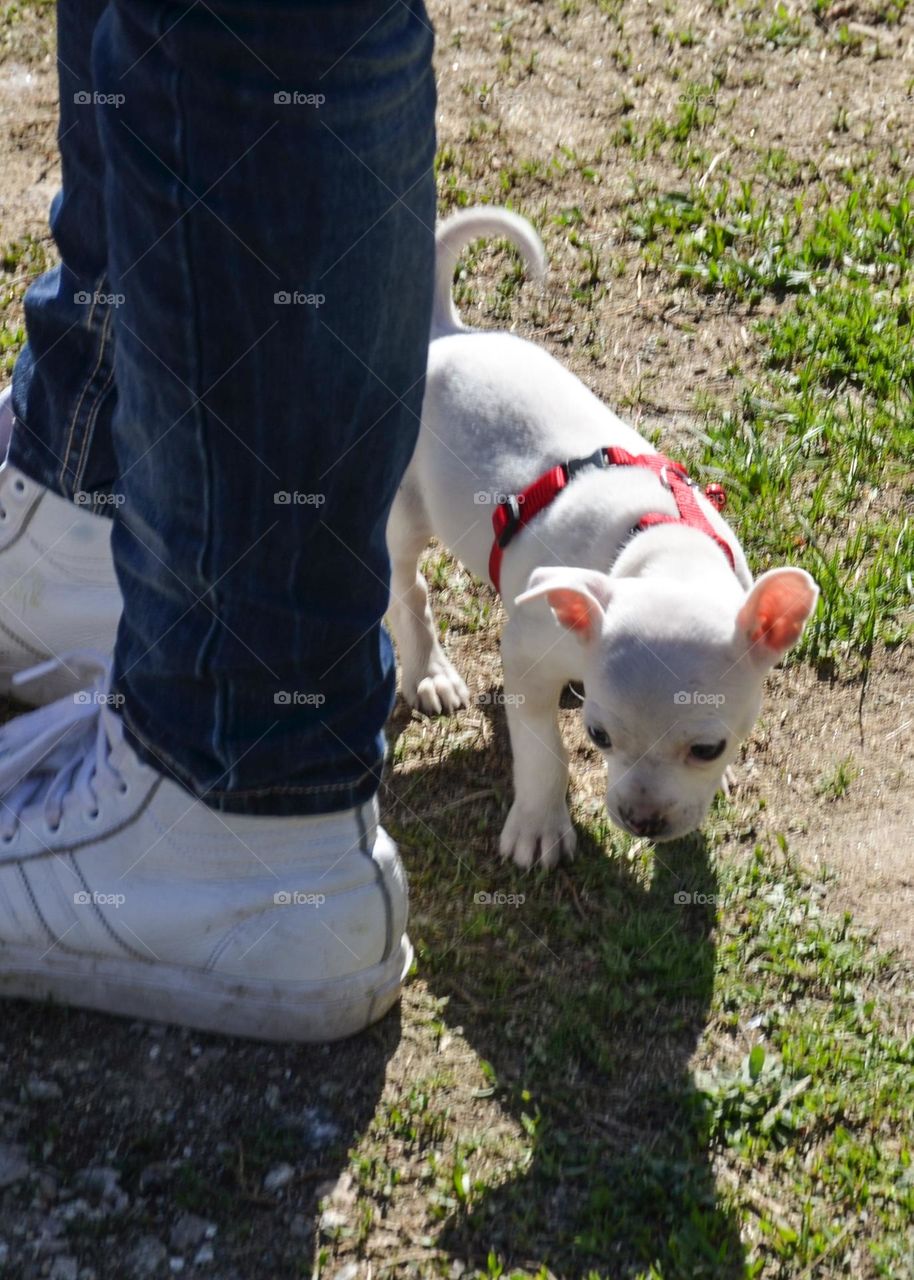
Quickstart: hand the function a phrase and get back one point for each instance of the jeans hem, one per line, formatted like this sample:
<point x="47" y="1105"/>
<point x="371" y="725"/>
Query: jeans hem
<point x="29" y="461"/>
<point x="281" y="800"/>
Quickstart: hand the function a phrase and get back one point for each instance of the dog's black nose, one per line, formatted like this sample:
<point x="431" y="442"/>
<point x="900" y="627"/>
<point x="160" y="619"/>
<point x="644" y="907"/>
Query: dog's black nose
<point x="652" y="825"/>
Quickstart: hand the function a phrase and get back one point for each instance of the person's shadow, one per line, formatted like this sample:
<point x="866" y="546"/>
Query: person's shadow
<point x="587" y="1000"/>
<point x="159" y="1143"/>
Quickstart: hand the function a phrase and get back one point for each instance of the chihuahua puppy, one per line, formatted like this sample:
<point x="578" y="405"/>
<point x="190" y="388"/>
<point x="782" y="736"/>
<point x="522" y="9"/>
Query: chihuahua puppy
<point x="614" y="569"/>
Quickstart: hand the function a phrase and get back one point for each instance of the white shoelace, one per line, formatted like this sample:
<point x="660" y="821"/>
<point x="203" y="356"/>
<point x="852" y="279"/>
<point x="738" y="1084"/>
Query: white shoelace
<point x="60" y="754"/>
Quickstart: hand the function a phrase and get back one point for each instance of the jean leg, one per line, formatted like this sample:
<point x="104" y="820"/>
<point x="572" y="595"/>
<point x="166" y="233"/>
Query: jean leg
<point x="63" y="381"/>
<point x="270" y="203"/>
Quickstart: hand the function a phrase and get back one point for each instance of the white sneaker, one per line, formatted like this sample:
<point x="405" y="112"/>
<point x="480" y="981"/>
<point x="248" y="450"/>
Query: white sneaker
<point x="121" y="892"/>
<point x="58" y="589"/>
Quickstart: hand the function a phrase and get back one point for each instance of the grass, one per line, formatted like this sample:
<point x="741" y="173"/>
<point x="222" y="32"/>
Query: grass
<point x="816" y="454"/>
<point x="20" y="263"/>
<point x="586" y="1004"/>
<point x="837" y="781"/>
<point x="721" y="1087"/>
<point x="651" y="1065"/>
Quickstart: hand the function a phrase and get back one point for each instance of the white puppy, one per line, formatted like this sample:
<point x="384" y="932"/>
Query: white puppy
<point x="625" y="578"/>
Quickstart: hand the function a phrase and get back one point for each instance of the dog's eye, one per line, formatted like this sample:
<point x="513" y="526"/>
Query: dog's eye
<point x="599" y="737"/>
<point x="707" y="750"/>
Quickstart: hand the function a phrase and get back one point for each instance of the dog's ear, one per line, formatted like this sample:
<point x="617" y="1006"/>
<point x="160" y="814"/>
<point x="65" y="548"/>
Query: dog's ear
<point x="577" y="597"/>
<point x="775" y="611"/>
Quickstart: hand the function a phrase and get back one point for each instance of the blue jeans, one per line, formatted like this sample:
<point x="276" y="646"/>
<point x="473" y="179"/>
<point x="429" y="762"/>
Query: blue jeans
<point x="230" y="360"/>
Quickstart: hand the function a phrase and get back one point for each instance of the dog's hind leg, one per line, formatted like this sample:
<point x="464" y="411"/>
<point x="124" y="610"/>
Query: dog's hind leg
<point x="428" y="680"/>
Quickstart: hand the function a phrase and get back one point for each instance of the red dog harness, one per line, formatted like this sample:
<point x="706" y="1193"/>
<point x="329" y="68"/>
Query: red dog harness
<point x="510" y="516"/>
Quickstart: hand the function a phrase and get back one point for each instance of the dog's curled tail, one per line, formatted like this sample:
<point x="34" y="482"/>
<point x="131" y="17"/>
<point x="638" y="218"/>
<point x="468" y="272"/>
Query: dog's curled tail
<point x="452" y="237"/>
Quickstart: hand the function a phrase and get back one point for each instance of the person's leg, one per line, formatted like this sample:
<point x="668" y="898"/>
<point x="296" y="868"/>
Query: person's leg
<point x="63" y="382"/>
<point x="270" y="203"/>
<point x="57" y="583"/>
<point x="251" y="665"/>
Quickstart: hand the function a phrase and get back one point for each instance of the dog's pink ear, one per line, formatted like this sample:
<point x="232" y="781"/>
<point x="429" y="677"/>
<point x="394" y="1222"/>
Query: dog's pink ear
<point x="577" y="597"/>
<point x="775" y="612"/>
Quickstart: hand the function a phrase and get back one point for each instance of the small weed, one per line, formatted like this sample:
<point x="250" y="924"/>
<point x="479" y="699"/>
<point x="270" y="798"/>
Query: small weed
<point x="836" y="783"/>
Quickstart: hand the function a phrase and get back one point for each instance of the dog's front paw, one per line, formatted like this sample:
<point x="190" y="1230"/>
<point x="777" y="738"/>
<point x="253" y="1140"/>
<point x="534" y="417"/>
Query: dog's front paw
<point x="544" y="836"/>
<point x="440" y="692"/>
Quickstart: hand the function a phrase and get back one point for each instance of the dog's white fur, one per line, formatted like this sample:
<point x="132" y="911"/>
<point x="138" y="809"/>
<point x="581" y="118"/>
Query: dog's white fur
<point x="671" y="644"/>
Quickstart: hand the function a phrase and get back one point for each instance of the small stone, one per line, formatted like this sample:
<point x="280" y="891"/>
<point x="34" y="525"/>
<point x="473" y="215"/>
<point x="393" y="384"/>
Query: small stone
<point x="203" y="1255"/>
<point x="175" y="1266"/>
<point x="65" y="1268"/>
<point x="278" y="1178"/>
<point x="331" y="1221"/>
<point x="78" y="1208"/>
<point x="272" y="1096"/>
<point x="47" y="1188"/>
<point x="347" y="1272"/>
<point x="345" y="1192"/>
<point x="43" y="1090"/>
<point x="188" y="1232"/>
<point x="155" y="1176"/>
<point x="47" y="1245"/>
<point x="101" y="1187"/>
<point x="320" y="1129"/>
<point x="13" y="1164"/>
<point x="146" y="1258"/>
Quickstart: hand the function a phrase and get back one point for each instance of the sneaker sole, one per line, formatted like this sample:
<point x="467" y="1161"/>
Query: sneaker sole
<point x="284" y="1011"/>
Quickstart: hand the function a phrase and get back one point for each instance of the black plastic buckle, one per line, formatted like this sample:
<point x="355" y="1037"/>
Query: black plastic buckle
<point x="512" y="506"/>
<point x="574" y="465"/>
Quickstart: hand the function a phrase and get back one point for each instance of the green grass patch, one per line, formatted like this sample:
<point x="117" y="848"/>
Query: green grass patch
<point x="20" y="263"/>
<point x="587" y="998"/>
<point x="817" y="452"/>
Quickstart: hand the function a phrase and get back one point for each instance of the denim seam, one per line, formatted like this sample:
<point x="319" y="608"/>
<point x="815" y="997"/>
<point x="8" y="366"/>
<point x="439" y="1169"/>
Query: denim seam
<point x="184" y="780"/>
<point x="89" y="433"/>
<point x="77" y="408"/>
<point x="206" y="555"/>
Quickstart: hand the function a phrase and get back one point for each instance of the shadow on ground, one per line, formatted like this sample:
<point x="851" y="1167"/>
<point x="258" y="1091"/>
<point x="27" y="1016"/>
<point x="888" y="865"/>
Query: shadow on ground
<point x="132" y="1139"/>
<point x="587" y="998"/>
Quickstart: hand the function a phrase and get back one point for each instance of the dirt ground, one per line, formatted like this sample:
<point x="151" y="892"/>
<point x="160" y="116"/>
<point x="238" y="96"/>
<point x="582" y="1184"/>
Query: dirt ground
<point x="528" y="94"/>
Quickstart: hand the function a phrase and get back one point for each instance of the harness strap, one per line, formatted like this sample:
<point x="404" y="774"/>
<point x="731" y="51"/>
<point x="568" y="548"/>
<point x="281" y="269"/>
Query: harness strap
<point x="510" y="516"/>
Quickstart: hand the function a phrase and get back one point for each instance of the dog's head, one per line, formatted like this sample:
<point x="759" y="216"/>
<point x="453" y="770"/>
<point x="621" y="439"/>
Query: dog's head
<point x="673" y="679"/>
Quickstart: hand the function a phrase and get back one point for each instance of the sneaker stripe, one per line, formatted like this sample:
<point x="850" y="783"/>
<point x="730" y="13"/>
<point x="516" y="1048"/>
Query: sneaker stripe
<point x="19" y="641"/>
<point x="366" y="848"/>
<point x="30" y="894"/>
<point x="103" y="919"/>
